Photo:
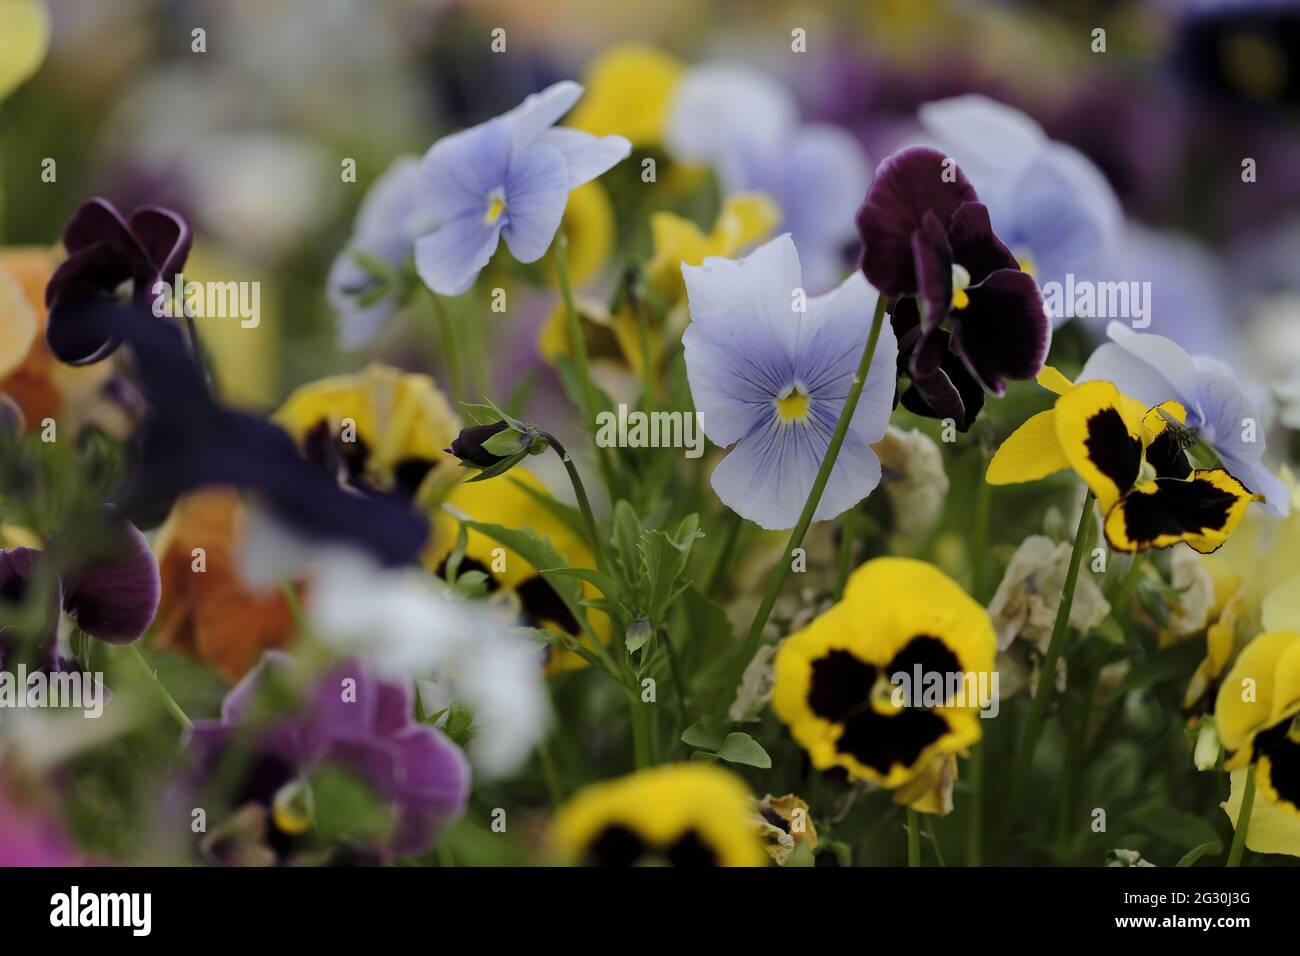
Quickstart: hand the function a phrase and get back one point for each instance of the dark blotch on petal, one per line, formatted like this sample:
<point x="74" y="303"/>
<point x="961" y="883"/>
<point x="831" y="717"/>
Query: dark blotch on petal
<point x="1116" y="453"/>
<point x="1176" y="507"/>
<point x="975" y="246"/>
<point x="1004" y="332"/>
<point x="841" y="684"/>
<point x="114" y="598"/>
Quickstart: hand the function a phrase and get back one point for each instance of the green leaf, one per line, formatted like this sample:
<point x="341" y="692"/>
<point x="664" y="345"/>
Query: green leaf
<point x="346" y="807"/>
<point x="1213" y="848"/>
<point x="541" y="555"/>
<point x="499" y="468"/>
<point x="567" y="515"/>
<point x="743" y="749"/>
<point x="627" y="532"/>
<point x="1176" y="826"/>
<point x="707" y="733"/>
<point x="663" y="559"/>
<point x="601" y="581"/>
<point x="506" y="443"/>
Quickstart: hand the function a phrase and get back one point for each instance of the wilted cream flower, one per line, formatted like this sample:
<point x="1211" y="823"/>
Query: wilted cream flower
<point x="784" y="823"/>
<point x="1026" y="601"/>
<point x="914" y="479"/>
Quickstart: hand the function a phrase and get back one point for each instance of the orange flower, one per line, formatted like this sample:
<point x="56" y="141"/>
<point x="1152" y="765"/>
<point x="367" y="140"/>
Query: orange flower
<point x="207" y="611"/>
<point x="41" y="386"/>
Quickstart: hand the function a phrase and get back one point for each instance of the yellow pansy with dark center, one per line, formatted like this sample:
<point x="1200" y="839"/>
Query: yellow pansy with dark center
<point x="852" y="685"/>
<point x="1135" y="461"/>
<point x="678" y="815"/>
<point x="1257" y="713"/>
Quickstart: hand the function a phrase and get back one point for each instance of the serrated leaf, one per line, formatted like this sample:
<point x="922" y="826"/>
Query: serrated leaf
<point x="745" y="750"/>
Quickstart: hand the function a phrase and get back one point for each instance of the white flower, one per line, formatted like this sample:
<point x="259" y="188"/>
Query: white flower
<point x="914" y="480"/>
<point x="406" y="627"/>
<point x="1026" y="601"/>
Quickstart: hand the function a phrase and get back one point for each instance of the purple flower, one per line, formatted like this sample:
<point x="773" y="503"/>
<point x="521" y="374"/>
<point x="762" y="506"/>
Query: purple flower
<point x="507" y="178"/>
<point x="265" y="765"/>
<point x="772" y="378"/>
<point x="29" y="839"/>
<point x="112" y="593"/>
<point x="105" y="254"/>
<point x="188" y="441"/>
<point x="977" y="320"/>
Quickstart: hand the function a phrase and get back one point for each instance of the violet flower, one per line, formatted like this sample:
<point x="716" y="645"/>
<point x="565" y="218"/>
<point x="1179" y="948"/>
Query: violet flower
<point x="263" y="768"/>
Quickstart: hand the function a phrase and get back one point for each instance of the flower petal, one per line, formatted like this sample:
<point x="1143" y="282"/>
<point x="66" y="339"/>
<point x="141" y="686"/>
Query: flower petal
<point x="537" y="189"/>
<point x="587" y="156"/>
<point x="116" y="597"/>
<point x="450" y="258"/>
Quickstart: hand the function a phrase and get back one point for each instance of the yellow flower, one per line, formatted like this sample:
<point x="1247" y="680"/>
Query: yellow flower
<point x="382" y="429"/>
<point x="677" y="815"/>
<point x="785" y="824"/>
<point x="18" y="324"/>
<point x="930" y="791"/>
<point x="24" y="39"/>
<point x="745" y="220"/>
<point x="1256" y="714"/>
<point x="839" y="681"/>
<point x="588" y="225"/>
<point x="629" y="88"/>
<point x="510" y="501"/>
<point x="1134" y="461"/>
<point x="613" y="340"/>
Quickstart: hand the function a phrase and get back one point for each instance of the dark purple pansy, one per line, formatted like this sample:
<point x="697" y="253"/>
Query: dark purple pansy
<point x="966" y="318"/>
<point x="112" y="596"/>
<point x="188" y="441"/>
<point x="350" y="722"/>
<point x="111" y="260"/>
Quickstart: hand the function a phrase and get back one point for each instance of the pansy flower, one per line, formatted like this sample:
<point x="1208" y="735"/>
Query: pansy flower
<point x="1051" y="206"/>
<point x="1257" y="713"/>
<point x="1135" y="461"/>
<point x="508" y="178"/>
<point x="267" y="770"/>
<point x="1154" y="369"/>
<point x="630" y="88"/>
<point x="24" y="40"/>
<point x="189" y="441"/>
<point x="111" y="592"/>
<point x="785" y="824"/>
<point x="771" y="378"/>
<point x="746" y="125"/>
<point x="686" y="815"/>
<point x="836" y="678"/>
<point x="970" y="319"/>
<point x="211" y="613"/>
<point x="111" y="258"/>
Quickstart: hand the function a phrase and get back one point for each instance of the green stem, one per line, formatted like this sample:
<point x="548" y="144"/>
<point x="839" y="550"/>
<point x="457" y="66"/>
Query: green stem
<point x="1243" y="820"/>
<point x="980" y="534"/>
<point x="640" y="730"/>
<point x="169" y="702"/>
<point x="594" y="538"/>
<point x="579" y="347"/>
<point x="750" y="644"/>
<point x="848" y="538"/>
<point x="913" y="839"/>
<point x="1047" y="675"/>
<point x="1127" y="585"/>
<point x="450" y="349"/>
<point x="548" y="771"/>
<point x="975" y="806"/>
<point x="720" y="567"/>
<point x="934" y="839"/>
<point x="677" y="679"/>
<point x="445" y="857"/>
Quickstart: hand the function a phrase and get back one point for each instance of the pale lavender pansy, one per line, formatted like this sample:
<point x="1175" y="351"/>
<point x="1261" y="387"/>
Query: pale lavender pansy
<point x="771" y="379"/>
<point x="1048" y="202"/>
<point x="508" y="178"/>
<point x="746" y="125"/>
<point x="391" y="218"/>
<point x="1154" y="369"/>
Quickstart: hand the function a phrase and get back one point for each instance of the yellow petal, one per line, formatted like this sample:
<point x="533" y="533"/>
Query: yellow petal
<point x="1246" y="701"/>
<point x="628" y="91"/>
<point x="18" y="324"/>
<point x="1052" y="380"/>
<point x="24" y="38"/>
<point x="1100" y="432"/>
<point x="1272" y="829"/>
<point x="1031" y="452"/>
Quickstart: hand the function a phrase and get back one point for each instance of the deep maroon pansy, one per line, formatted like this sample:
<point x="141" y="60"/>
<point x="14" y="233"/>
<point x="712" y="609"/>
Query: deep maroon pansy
<point x="112" y="595"/>
<point x="111" y="259"/>
<point x="272" y="773"/>
<point x="966" y="317"/>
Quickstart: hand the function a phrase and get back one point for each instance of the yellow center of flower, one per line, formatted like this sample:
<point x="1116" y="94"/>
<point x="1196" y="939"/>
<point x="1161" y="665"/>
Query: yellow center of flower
<point x="792" y="405"/>
<point x="292" y="808"/>
<point x="1026" y="262"/>
<point x="496" y="206"/>
<point x="960" y="282"/>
